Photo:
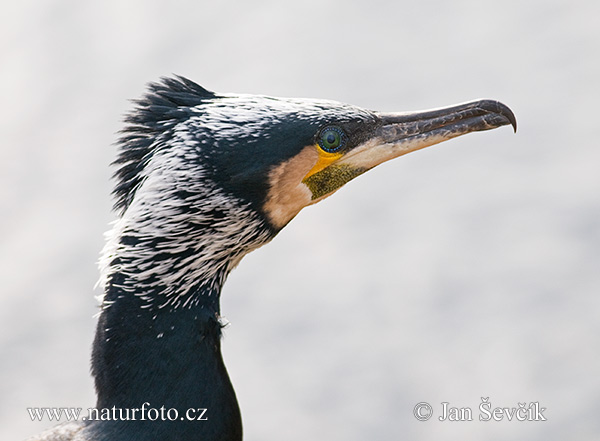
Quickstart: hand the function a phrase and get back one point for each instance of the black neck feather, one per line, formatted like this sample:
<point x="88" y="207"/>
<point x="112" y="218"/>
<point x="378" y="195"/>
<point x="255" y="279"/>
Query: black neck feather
<point x="163" y="357"/>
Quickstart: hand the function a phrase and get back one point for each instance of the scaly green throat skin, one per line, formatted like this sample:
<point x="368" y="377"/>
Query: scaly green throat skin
<point x="330" y="179"/>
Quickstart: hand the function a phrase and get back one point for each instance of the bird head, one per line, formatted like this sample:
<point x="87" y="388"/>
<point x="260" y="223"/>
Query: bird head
<point x="277" y="154"/>
<point x="203" y="176"/>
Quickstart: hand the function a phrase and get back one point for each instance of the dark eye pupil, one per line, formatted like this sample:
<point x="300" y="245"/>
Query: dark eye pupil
<point x="331" y="138"/>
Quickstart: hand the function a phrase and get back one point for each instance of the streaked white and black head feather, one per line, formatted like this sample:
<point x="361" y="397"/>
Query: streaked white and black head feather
<point x="192" y="181"/>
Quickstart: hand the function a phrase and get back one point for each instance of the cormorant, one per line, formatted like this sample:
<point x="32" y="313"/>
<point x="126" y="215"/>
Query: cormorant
<point x="203" y="179"/>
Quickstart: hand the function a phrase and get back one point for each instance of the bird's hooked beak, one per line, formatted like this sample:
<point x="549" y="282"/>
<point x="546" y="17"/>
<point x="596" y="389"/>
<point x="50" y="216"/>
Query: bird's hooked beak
<point x="402" y="133"/>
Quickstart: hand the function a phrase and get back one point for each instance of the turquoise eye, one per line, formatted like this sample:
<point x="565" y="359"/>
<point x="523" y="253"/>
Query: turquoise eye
<point x="331" y="139"/>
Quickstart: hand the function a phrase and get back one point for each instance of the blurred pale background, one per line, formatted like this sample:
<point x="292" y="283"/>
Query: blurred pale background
<point x="466" y="270"/>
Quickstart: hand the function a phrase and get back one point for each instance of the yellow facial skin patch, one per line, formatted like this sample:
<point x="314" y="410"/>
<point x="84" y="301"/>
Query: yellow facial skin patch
<point x="324" y="161"/>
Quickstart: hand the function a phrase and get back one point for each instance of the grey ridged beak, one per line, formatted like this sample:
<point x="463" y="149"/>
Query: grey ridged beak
<point x="447" y="122"/>
<point x="401" y="133"/>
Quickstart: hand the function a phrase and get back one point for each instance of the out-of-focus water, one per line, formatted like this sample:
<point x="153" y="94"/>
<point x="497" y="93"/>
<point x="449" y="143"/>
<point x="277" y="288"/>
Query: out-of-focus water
<point x="467" y="270"/>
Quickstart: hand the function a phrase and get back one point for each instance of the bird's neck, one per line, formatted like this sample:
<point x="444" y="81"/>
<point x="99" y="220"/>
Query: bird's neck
<point x="161" y="344"/>
<point x="158" y="336"/>
<point x="145" y="358"/>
